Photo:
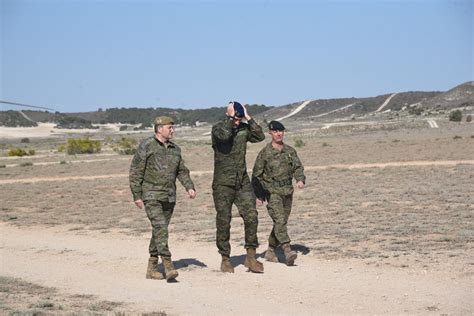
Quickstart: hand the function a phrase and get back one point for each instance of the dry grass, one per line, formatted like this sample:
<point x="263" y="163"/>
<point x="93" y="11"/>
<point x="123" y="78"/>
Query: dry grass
<point x="406" y="215"/>
<point x="23" y="298"/>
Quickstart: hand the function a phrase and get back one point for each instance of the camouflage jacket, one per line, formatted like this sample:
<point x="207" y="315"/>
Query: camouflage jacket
<point x="230" y="146"/>
<point x="274" y="171"/>
<point x="154" y="170"/>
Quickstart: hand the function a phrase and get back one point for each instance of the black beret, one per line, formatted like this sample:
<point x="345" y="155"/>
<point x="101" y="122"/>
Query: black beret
<point x="276" y="126"/>
<point x="239" y="109"/>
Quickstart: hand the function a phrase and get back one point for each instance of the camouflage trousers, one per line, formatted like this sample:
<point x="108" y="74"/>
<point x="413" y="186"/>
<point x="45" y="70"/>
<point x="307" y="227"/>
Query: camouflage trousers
<point x="244" y="199"/>
<point x="279" y="209"/>
<point x="159" y="213"/>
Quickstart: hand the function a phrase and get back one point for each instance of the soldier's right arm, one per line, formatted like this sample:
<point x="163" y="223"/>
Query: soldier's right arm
<point x="222" y="131"/>
<point x="257" y="176"/>
<point x="137" y="171"/>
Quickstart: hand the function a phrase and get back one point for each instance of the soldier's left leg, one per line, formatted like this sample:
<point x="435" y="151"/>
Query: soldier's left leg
<point x="287" y="201"/>
<point x="290" y="255"/>
<point x="276" y="211"/>
<point x="159" y="214"/>
<point x="246" y="204"/>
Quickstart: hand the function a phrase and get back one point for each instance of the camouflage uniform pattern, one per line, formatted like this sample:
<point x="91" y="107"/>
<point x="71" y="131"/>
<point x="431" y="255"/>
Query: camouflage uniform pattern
<point x="231" y="183"/>
<point x="153" y="173"/>
<point x="272" y="179"/>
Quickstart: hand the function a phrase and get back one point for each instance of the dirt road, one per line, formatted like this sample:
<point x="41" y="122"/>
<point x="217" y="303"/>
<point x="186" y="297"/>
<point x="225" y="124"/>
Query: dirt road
<point x="112" y="266"/>
<point x="203" y="172"/>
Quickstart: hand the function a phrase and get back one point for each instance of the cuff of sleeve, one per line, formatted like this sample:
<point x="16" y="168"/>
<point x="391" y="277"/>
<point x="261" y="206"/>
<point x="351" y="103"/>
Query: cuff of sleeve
<point x="137" y="196"/>
<point x="302" y="180"/>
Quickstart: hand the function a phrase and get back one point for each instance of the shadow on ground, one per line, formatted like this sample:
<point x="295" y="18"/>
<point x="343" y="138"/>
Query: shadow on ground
<point x="189" y="263"/>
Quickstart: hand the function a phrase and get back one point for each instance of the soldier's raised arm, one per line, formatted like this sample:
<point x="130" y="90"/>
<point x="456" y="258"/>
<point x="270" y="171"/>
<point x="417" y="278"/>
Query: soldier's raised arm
<point x="256" y="132"/>
<point x="137" y="171"/>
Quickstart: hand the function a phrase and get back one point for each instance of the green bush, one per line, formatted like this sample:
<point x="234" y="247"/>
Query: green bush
<point x="455" y="116"/>
<point x="299" y="143"/>
<point x="82" y="146"/>
<point x="126" y="146"/>
<point x="19" y="152"/>
<point x="415" y="110"/>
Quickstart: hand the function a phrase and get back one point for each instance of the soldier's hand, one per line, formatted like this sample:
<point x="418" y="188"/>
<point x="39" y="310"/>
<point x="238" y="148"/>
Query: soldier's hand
<point x="300" y="184"/>
<point x="192" y="194"/>
<point x="259" y="202"/>
<point x="246" y="114"/>
<point x="139" y="203"/>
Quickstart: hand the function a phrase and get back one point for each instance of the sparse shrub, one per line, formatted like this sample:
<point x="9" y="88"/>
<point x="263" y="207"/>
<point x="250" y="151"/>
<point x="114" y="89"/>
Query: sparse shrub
<point x="26" y="164"/>
<point x="19" y="152"/>
<point x="123" y="128"/>
<point x="126" y="146"/>
<point x="395" y="141"/>
<point x="82" y="146"/>
<point x="457" y="137"/>
<point x="325" y="144"/>
<point x="299" y="143"/>
<point x="415" y="110"/>
<point x="63" y="162"/>
<point x="61" y="148"/>
<point x="469" y="118"/>
<point x="3" y="166"/>
<point x="25" y="140"/>
<point x="455" y="116"/>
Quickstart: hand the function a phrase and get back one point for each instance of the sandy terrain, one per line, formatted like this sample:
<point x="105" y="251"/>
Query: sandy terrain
<point x="112" y="267"/>
<point x="384" y="226"/>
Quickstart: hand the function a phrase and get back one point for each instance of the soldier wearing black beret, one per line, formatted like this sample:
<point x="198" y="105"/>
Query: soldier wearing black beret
<point x="276" y="166"/>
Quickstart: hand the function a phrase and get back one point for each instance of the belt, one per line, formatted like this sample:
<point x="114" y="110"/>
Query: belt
<point x="282" y="183"/>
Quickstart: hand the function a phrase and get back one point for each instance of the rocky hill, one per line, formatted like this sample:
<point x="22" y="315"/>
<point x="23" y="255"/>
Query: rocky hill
<point x="407" y="103"/>
<point x="410" y="103"/>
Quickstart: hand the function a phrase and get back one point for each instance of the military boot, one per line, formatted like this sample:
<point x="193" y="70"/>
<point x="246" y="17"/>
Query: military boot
<point x="252" y="263"/>
<point x="170" y="271"/>
<point x="290" y="255"/>
<point x="226" y="265"/>
<point x="151" y="272"/>
<point x="270" y="255"/>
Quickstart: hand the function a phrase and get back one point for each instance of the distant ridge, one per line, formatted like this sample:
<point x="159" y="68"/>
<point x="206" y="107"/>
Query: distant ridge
<point x="322" y="109"/>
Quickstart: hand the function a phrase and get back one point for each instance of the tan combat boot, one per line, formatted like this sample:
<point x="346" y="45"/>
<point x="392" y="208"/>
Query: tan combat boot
<point x="252" y="263"/>
<point x="170" y="271"/>
<point x="270" y="255"/>
<point x="226" y="265"/>
<point x="290" y="255"/>
<point x="151" y="272"/>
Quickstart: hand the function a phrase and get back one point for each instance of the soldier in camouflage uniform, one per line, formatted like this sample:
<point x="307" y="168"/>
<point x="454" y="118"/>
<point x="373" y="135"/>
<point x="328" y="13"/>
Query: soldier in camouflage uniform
<point x="153" y="173"/>
<point x="275" y="167"/>
<point x="231" y="183"/>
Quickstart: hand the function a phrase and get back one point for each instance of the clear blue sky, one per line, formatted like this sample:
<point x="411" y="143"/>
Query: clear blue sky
<point x="83" y="55"/>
